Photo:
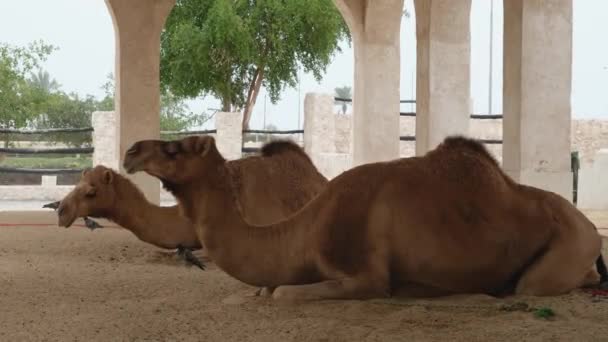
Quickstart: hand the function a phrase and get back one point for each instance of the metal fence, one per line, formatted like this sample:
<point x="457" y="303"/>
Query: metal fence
<point x="413" y="114"/>
<point x="264" y="135"/>
<point x="260" y="135"/>
<point x="16" y="151"/>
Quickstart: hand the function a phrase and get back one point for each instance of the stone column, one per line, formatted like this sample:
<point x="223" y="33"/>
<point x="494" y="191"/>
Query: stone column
<point x="536" y="92"/>
<point x="229" y="137"/>
<point x="375" y="28"/>
<point x="321" y="128"/>
<point x="137" y="25"/>
<point x="443" y="76"/>
<point x="318" y="124"/>
<point x="105" y="139"/>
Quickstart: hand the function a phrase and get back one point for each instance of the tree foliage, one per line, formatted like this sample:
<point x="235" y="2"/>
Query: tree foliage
<point x="62" y="110"/>
<point x="175" y="115"/>
<point x="16" y="95"/>
<point x="31" y="98"/>
<point x="230" y="48"/>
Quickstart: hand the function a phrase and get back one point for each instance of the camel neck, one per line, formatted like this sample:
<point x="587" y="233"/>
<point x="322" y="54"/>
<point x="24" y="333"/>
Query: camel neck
<point x="160" y="226"/>
<point x="279" y="251"/>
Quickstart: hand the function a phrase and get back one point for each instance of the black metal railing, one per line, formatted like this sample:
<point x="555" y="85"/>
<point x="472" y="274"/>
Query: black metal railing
<point x="42" y="151"/>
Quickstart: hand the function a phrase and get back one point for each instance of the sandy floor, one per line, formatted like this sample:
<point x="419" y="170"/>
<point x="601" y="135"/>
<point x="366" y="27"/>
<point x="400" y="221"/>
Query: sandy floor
<point x="77" y="285"/>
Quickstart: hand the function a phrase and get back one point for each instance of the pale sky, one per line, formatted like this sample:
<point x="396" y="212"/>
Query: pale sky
<point x="83" y="31"/>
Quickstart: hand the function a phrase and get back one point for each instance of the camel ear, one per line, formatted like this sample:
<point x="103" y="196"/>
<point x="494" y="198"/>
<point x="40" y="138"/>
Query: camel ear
<point x="172" y="148"/>
<point x="203" y="145"/>
<point x="107" y="177"/>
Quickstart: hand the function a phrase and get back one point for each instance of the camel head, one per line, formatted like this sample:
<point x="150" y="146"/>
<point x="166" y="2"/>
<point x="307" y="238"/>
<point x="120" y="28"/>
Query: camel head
<point x="94" y="196"/>
<point x="175" y="162"/>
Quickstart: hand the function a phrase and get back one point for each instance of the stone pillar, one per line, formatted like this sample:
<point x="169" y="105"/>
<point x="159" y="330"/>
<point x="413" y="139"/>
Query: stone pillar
<point x="343" y="131"/>
<point x="375" y="28"/>
<point x="443" y="76"/>
<point x="318" y="124"/>
<point x="105" y="139"/>
<point x="229" y="137"/>
<point x="137" y="26"/>
<point x="321" y="128"/>
<point x="536" y="92"/>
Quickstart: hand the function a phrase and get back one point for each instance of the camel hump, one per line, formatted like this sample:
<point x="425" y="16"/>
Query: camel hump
<point x="461" y="142"/>
<point x="282" y="146"/>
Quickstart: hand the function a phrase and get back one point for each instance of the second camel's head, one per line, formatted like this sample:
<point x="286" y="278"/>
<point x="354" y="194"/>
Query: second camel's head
<point x="94" y="196"/>
<point x="176" y="162"/>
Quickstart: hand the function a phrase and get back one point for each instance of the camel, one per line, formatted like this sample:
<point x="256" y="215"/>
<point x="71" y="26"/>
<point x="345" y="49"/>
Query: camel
<point x="449" y="222"/>
<point x="270" y="186"/>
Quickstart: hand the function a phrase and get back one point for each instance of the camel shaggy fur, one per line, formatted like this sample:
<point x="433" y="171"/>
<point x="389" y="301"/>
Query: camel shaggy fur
<point x="270" y="187"/>
<point x="445" y="223"/>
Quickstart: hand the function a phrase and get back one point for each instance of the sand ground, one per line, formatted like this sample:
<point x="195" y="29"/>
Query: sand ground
<point x="76" y="285"/>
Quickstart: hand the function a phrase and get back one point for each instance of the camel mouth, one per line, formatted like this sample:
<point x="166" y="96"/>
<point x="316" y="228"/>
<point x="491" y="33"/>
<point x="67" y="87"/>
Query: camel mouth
<point x="131" y="167"/>
<point x="167" y="185"/>
<point x="66" y="222"/>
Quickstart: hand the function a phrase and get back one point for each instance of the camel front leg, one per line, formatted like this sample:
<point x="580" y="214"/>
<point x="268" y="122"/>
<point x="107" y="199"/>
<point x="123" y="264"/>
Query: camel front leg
<point x="265" y="291"/>
<point x="186" y="254"/>
<point x="346" y="288"/>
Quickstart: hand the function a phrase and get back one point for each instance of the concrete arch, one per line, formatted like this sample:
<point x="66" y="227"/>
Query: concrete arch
<point x="137" y="28"/>
<point x="375" y="27"/>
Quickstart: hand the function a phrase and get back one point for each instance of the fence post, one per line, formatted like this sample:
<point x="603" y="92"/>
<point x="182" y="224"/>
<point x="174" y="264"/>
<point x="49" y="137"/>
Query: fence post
<point x="329" y="156"/>
<point x="48" y="180"/>
<point x="575" y="166"/>
<point x="105" y="139"/>
<point x="318" y="124"/>
<point x="229" y="136"/>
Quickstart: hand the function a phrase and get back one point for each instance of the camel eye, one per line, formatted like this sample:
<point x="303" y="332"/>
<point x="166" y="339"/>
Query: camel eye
<point x="171" y="149"/>
<point x="132" y="150"/>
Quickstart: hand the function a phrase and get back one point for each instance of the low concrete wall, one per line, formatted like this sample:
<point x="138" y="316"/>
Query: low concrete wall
<point x="593" y="184"/>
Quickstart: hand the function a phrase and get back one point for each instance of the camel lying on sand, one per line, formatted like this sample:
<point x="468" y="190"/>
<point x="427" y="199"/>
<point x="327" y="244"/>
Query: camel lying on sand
<point x="448" y="222"/>
<point x="270" y="187"/>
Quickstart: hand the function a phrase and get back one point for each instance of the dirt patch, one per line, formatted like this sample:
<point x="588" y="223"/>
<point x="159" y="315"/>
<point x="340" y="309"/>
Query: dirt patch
<point x="58" y="284"/>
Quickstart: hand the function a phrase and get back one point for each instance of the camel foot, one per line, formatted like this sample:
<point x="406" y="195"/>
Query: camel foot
<point x="186" y="254"/>
<point x="264" y="291"/>
<point x="91" y="224"/>
<point x="603" y="286"/>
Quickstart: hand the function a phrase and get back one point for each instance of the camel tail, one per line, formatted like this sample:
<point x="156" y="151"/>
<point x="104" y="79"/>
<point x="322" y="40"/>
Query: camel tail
<point x="600" y="265"/>
<point x="282" y="146"/>
<point x="601" y="269"/>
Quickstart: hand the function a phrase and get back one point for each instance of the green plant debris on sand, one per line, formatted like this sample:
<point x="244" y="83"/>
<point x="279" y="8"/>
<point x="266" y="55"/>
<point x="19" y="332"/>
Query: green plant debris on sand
<point x="542" y="312"/>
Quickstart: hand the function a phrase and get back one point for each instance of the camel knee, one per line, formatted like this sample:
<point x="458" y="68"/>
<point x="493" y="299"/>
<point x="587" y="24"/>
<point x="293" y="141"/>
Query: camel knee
<point x="592" y="278"/>
<point x="558" y="283"/>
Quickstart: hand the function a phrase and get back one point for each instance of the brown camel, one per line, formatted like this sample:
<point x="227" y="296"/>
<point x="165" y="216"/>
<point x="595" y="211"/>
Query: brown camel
<point x="448" y="222"/>
<point x="270" y="187"/>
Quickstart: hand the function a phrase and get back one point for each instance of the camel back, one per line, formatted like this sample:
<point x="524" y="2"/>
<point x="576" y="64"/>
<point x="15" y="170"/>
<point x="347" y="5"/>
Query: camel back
<point x="281" y="146"/>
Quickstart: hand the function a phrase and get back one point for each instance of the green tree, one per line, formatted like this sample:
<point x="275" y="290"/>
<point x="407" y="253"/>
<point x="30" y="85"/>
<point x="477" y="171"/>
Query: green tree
<point x="230" y="48"/>
<point x="175" y="115"/>
<point x="343" y="93"/>
<point x="61" y="110"/>
<point x="17" y="97"/>
<point x="43" y="81"/>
